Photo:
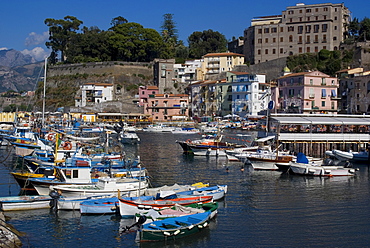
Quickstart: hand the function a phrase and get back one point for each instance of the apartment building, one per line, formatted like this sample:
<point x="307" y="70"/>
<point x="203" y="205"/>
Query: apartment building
<point x="145" y="92"/>
<point x="354" y="89"/>
<point x="166" y="107"/>
<point x="94" y="93"/>
<point x="306" y="93"/>
<point x="299" y="29"/>
<point x="216" y="63"/>
<point x="189" y="71"/>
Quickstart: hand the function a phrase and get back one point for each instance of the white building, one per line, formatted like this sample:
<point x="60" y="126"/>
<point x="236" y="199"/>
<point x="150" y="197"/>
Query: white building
<point x="187" y="73"/>
<point x="94" y="93"/>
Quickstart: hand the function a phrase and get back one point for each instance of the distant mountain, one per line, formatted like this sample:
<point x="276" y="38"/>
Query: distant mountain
<point x="11" y="58"/>
<point x="18" y="72"/>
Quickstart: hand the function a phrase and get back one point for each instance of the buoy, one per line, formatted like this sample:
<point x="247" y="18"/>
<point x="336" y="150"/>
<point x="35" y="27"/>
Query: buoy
<point x="67" y="145"/>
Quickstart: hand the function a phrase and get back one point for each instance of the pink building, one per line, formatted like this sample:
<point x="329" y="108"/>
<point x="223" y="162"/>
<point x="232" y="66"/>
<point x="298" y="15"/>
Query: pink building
<point x="145" y="92"/>
<point x="167" y="107"/>
<point x="306" y="92"/>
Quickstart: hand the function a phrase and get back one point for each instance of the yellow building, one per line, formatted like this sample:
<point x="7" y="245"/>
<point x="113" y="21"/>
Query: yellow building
<point x="215" y="63"/>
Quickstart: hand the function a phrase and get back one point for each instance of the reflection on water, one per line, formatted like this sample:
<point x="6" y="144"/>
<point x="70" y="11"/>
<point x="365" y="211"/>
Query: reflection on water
<point x="261" y="209"/>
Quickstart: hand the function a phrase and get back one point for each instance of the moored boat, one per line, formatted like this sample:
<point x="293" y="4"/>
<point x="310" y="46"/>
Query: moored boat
<point x="173" y="228"/>
<point x="24" y="202"/>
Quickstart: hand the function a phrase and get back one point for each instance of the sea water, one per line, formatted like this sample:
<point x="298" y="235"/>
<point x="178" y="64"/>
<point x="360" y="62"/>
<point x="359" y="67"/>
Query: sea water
<point x="261" y="208"/>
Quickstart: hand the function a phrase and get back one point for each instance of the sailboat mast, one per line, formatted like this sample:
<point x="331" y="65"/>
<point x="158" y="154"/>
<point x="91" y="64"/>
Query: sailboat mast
<point x="43" y="97"/>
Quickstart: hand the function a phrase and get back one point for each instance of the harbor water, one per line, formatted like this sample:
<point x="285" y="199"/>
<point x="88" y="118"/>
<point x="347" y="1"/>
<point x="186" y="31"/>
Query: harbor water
<point x="261" y="209"/>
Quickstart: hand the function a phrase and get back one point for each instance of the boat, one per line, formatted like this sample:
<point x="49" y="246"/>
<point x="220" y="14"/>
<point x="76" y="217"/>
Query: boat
<point x="104" y="186"/>
<point x="267" y="160"/>
<point x="361" y="156"/>
<point x="302" y="166"/>
<point x="217" y="192"/>
<point x="185" y="130"/>
<point x="129" y="208"/>
<point x="24" y="202"/>
<point x="129" y="137"/>
<point x="208" y="146"/>
<point x="173" y="228"/>
<point x="178" y="210"/>
<point x="103" y="205"/>
<point x="158" y="128"/>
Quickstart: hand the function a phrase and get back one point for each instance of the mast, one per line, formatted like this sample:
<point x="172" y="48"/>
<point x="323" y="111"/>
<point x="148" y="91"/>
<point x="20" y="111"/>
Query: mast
<point x="43" y="97"/>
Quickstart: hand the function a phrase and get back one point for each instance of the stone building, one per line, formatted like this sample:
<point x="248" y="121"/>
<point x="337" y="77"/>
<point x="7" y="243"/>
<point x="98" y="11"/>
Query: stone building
<point x="299" y="29"/>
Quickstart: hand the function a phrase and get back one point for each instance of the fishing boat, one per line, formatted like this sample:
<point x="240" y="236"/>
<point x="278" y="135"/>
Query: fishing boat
<point x="217" y="192"/>
<point x="103" y="205"/>
<point x="302" y="166"/>
<point x="178" y="210"/>
<point x="104" y="186"/>
<point x="129" y="137"/>
<point x="129" y="208"/>
<point x="173" y="228"/>
<point x="24" y="202"/>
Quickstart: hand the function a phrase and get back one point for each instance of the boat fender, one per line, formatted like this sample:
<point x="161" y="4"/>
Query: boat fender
<point x="190" y="227"/>
<point x="176" y="232"/>
<point x="167" y="233"/>
<point x="54" y="200"/>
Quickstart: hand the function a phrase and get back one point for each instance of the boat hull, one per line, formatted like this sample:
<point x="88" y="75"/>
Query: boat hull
<point x="14" y="203"/>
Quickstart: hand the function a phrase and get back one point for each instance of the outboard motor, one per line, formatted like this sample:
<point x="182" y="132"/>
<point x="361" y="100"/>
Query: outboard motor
<point x="54" y="201"/>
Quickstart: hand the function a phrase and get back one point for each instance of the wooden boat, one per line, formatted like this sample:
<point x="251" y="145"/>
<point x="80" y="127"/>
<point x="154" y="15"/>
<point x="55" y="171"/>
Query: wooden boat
<point x="24" y="202"/>
<point x="318" y="168"/>
<point x="267" y="159"/>
<point x="217" y="192"/>
<point x="104" y="186"/>
<point x="178" y="210"/>
<point x="130" y="208"/>
<point x="174" y="228"/>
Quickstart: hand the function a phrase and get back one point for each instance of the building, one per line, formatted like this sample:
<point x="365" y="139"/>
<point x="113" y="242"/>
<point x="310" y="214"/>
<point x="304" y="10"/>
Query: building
<point x="306" y="93"/>
<point x="145" y="92"/>
<point x="164" y="75"/>
<point x="94" y="93"/>
<point x="216" y="63"/>
<point x="189" y="71"/>
<point x="167" y="107"/>
<point x="354" y="88"/>
<point x="299" y="29"/>
<point x="249" y="93"/>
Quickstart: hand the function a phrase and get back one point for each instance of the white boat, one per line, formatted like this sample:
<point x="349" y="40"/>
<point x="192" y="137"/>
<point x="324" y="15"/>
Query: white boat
<point x="362" y="156"/>
<point x="217" y="192"/>
<point x="160" y="128"/>
<point x="104" y="186"/>
<point x="267" y="159"/>
<point x="303" y="166"/>
<point x="129" y="137"/>
<point x="74" y="203"/>
<point x="185" y="130"/>
<point x="24" y="202"/>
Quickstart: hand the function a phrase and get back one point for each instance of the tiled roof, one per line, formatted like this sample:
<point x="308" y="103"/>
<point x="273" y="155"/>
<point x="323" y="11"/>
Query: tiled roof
<point x="222" y="54"/>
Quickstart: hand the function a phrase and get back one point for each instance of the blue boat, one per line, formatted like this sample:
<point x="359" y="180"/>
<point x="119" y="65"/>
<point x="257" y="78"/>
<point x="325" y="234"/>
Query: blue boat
<point x="173" y="228"/>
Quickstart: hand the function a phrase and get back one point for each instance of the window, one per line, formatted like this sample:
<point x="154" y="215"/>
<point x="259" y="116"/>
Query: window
<point x="274" y="51"/>
<point x="323" y="81"/>
<point x="322" y="103"/>
<point x="316" y="40"/>
<point x="300" y="40"/>
<point x="259" y="51"/>
<point x="266" y="40"/>
<point x="259" y="41"/>
<point x="311" y="81"/>
<point x="308" y="49"/>
<point x="266" y="51"/>
<point x="273" y="30"/>
<point x="290" y="38"/>
<point x="335" y="27"/>
<point x="300" y="50"/>
<point x="281" y="39"/>
<point x="300" y="29"/>
<point x="291" y="29"/>
<point x="267" y="30"/>
<point x="316" y="49"/>
<point x="333" y="93"/>
<point x="308" y="39"/>
<point x="273" y="40"/>
<point x="281" y="29"/>
<point x="281" y="50"/>
<point x="260" y="31"/>
<point x="324" y="27"/>
<point x="308" y="29"/>
<point x="324" y="39"/>
<point x="323" y="93"/>
<point x="308" y="10"/>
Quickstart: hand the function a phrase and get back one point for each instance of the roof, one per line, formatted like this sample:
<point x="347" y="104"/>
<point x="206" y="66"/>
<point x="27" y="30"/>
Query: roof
<point x="222" y="54"/>
<point x="330" y="120"/>
<point x="239" y="73"/>
<point x="303" y="74"/>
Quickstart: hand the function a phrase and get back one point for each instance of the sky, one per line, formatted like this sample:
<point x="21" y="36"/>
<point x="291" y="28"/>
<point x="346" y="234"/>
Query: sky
<point x="22" y="21"/>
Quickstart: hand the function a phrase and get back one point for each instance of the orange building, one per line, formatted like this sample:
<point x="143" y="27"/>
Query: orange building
<point x="167" y="107"/>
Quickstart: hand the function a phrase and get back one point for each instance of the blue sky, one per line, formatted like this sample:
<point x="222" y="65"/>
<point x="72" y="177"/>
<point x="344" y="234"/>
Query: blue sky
<point x="22" y="21"/>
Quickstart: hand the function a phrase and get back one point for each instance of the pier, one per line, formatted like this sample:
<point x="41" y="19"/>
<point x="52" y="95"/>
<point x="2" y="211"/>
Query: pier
<point x="315" y="134"/>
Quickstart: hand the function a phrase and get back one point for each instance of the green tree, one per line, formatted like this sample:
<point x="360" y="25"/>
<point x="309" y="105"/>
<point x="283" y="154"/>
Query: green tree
<point x="364" y="32"/>
<point x="208" y="41"/>
<point x="132" y="42"/>
<point x="89" y="46"/>
<point x="118" y="20"/>
<point x="60" y="33"/>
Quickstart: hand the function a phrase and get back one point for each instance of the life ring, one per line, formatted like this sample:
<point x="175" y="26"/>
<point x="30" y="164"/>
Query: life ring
<point x="50" y="136"/>
<point x="67" y="145"/>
